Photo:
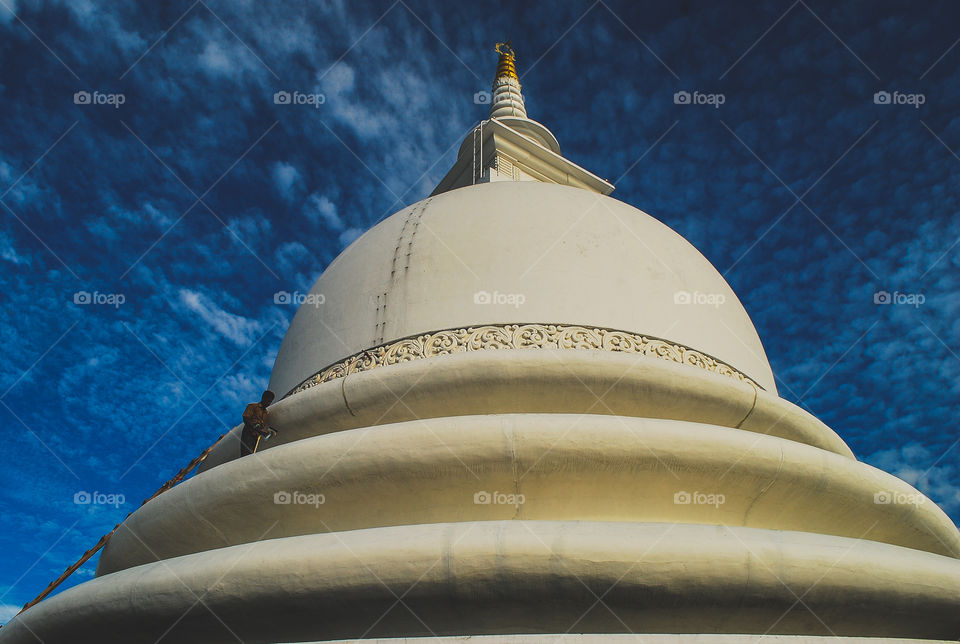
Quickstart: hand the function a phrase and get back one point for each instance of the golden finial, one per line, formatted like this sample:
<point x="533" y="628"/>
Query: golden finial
<point x="506" y="66"/>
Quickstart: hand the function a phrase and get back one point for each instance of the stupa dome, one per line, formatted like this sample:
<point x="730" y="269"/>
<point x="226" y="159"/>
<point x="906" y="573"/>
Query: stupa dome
<point x="518" y="253"/>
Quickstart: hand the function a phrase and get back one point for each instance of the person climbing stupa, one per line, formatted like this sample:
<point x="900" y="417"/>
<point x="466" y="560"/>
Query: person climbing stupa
<point x="255" y="426"/>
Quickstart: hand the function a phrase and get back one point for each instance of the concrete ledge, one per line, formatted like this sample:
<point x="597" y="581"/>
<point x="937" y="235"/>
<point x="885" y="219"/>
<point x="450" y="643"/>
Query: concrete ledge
<point x="536" y="381"/>
<point x="567" y="467"/>
<point x="511" y="577"/>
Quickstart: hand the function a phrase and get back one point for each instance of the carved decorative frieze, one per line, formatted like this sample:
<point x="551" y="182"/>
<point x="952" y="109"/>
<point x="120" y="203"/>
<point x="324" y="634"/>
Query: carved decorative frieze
<point x="520" y="336"/>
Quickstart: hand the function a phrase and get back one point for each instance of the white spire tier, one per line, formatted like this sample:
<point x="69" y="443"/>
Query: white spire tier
<point x="509" y="146"/>
<point x="507" y="99"/>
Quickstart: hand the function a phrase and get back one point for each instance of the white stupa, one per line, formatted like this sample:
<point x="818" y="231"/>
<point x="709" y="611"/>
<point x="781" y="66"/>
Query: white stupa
<point x="527" y="411"/>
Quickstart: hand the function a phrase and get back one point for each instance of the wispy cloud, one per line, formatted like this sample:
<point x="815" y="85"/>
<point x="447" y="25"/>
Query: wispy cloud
<point x="238" y="329"/>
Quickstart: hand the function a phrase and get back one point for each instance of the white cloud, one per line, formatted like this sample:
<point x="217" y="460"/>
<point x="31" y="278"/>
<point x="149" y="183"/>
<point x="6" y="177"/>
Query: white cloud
<point x="238" y="329"/>
<point x="104" y="25"/>
<point x="157" y="216"/>
<point x="290" y="256"/>
<point x="284" y="179"/>
<point x="21" y="187"/>
<point x="350" y="234"/>
<point x="9" y="253"/>
<point x="918" y="465"/>
<point x="7" y="611"/>
<point x="340" y="79"/>
<point x="241" y="389"/>
<point x="102" y="228"/>
<point x="326" y="209"/>
<point x="215" y="59"/>
<point x="8" y="9"/>
<point x="338" y="86"/>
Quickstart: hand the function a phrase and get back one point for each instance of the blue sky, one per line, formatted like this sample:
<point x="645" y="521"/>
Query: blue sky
<point x="198" y="198"/>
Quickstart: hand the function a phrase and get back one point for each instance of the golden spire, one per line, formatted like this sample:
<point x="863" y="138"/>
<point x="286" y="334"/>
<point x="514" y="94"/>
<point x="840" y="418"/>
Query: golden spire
<point x="507" y="99"/>
<point x="506" y="66"/>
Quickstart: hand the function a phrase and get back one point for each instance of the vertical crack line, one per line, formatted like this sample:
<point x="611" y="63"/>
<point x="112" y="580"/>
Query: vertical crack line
<point x="382" y="326"/>
<point x="377" y="319"/>
<point x="381" y="319"/>
<point x="776" y="475"/>
<point x="407" y="232"/>
<point x="756" y="395"/>
<point x="343" y="392"/>
<point x="414" y="224"/>
<point x="515" y="466"/>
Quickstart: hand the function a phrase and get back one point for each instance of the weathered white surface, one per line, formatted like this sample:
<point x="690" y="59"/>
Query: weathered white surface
<point x="531" y="381"/>
<point x="565" y="466"/>
<point x="575" y="257"/>
<point x="513" y="577"/>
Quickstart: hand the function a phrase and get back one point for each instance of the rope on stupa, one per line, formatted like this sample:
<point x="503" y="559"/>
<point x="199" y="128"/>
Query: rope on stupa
<point x="105" y="538"/>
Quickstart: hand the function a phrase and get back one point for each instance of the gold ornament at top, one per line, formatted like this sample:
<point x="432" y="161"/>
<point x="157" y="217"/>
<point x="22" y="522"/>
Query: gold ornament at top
<point x="507" y="65"/>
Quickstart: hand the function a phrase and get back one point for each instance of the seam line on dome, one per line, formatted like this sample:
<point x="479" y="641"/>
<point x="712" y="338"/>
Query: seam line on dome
<point x="343" y="392"/>
<point x="753" y="405"/>
<point x="514" y="464"/>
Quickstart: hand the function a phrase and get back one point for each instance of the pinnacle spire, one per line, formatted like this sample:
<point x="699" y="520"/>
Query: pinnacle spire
<point x="510" y="146"/>
<point x="507" y="99"/>
<point x="507" y="64"/>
